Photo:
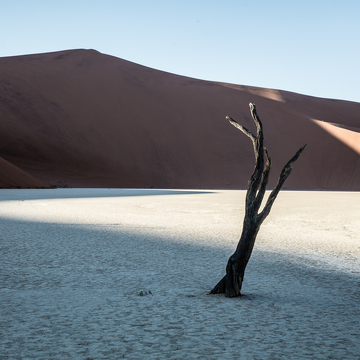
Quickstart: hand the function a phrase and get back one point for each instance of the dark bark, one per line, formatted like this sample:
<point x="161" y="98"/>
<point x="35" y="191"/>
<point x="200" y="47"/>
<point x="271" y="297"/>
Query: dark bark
<point x="231" y="283"/>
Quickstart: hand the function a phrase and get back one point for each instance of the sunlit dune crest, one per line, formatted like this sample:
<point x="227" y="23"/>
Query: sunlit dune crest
<point x="350" y="138"/>
<point x="271" y="94"/>
<point x="268" y="93"/>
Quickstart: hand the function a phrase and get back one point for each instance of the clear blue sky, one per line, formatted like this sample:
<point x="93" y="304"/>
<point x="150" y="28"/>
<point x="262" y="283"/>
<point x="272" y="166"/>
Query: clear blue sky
<point x="310" y="47"/>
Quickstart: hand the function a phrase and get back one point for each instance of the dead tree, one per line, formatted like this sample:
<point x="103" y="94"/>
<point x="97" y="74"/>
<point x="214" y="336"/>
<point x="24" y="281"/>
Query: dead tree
<point x="231" y="283"/>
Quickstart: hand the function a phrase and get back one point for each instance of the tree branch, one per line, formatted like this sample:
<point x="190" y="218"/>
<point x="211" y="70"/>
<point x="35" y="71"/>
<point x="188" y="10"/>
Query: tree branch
<point x="256" y="118"/>
<point x="283" y="176"/>
<point x="256" y="177"/>
<point x="264" y="182"/>
<point x="242" y="128"/>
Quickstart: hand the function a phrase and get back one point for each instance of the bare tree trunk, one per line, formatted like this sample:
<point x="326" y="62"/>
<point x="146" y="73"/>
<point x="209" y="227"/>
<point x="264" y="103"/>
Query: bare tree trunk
<point x="231" y="283"/>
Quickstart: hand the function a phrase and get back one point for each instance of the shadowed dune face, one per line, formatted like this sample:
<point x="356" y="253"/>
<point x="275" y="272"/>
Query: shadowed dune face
<point x="80" y="118"/>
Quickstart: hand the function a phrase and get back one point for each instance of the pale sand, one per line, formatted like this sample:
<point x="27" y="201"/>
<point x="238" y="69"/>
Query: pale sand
<point x="73" y="262"/>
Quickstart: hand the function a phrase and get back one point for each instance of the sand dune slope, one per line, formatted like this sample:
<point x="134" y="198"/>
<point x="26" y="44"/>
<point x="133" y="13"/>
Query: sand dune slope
<point x="12" y="177"/>
<point x="80" y="118"/>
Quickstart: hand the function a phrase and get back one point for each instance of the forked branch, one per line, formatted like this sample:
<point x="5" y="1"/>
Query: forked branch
<point x="260" y="177"/>
<point x="231" y="283"/>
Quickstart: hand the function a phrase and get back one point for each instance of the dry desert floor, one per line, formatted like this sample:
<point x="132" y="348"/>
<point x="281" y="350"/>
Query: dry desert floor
<point x="115" y="273"/>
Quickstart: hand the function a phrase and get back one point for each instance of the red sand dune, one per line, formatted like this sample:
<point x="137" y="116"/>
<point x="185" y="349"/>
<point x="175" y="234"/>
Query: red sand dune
<point x="80" y="118"/>
<point x="13" y="177"/>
